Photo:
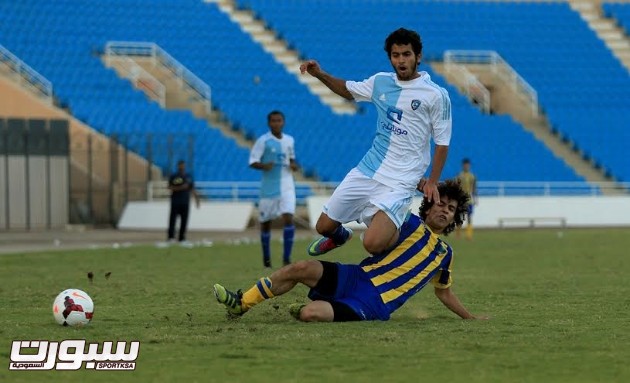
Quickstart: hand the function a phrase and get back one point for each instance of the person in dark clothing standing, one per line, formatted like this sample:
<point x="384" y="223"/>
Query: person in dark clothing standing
<point x="181" y="185"/>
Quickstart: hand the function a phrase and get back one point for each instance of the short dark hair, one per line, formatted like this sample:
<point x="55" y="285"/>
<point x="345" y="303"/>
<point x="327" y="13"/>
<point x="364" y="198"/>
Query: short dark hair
<point x="453" y="190"/>
<point x="274" y="113"/>
<point x="466" y="161"/>
<point x="181" y="162"/>
<point x="402" y="36"/>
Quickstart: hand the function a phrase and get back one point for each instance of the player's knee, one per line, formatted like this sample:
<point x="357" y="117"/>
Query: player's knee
<point x="373" y="245"/>
<point x="311" y="313"/>
<point x="300" y="269"/>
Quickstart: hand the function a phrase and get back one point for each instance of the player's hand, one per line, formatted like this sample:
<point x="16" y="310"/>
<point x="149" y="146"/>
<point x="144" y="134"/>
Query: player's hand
<point x="310" y="66"/>
<point x="421" y="184"/>
<point x="431" y="192"/>
<point x="268" y="166"/>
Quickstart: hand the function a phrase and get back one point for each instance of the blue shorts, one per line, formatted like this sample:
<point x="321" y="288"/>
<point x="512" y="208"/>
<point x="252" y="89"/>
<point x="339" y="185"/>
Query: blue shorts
<point x="355" y="290"/>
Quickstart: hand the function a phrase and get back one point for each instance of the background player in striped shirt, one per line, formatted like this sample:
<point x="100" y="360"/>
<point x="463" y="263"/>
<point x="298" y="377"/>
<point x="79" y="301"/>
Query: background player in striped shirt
<point x="469" y="183"/>
<point x="380" y="284"/>
<point x="412" y="110"/>
<point x="274" y="154"/>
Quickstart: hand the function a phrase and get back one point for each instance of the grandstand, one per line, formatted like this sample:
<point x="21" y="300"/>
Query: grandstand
<point x="583" y="89"/>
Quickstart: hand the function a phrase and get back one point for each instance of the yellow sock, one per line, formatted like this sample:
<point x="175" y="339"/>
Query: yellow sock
<point x="469" y="231"/>
<point x="258" y="293"/>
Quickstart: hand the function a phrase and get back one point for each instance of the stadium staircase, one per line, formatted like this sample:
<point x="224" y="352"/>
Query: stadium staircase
<point x="605" y="27"/>
<point x="282" y="52"/>
<point x="179" y="89"/>
<point x="63" y="39"/>
<point x="554" y="62"/>
<point x="169" y="83"/>
<point x="503" y="91"/>
<point x="28" y="78"/>
<point x="27" y="94"/>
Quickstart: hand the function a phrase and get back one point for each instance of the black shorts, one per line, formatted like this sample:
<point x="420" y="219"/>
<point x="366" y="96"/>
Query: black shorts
<point x="326" y="288"/>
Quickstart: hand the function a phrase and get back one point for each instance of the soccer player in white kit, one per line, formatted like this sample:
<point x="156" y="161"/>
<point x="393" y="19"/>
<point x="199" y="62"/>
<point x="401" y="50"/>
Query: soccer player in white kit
<point x="274" y="154"/>
<point x="379" y="190"/>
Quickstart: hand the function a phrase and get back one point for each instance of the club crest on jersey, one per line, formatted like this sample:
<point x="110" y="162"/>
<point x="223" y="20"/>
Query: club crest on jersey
<point x="415" y="104"/>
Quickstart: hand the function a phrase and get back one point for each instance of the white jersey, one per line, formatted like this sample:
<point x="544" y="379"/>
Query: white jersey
<point x="409" y="114"/>
<point x="279" y="180"/>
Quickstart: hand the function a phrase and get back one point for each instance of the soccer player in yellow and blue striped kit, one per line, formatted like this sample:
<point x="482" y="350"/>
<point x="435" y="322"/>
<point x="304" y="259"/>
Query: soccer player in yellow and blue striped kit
<point x="381" y="283"/>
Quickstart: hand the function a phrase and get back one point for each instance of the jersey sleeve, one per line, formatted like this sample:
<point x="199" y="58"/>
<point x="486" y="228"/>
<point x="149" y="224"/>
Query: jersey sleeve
<point x="257" y="151"/>
<point x="441" y="118"/>
<point x="442" y="279"/>
<point x="361" y="90"/>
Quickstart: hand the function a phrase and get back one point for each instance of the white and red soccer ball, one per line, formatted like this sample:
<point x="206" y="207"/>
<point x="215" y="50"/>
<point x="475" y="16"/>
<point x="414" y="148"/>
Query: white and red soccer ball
<point x="73" y="307"/>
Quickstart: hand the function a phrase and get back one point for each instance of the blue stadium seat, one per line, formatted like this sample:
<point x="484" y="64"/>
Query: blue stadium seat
<point x="60" y="38"/>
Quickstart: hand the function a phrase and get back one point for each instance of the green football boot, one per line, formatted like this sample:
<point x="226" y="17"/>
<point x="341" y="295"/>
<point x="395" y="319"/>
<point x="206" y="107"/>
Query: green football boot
<point x="231" y="300"/>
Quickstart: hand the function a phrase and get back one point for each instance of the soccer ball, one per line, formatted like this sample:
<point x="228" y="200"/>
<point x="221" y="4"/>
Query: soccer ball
<point x="73" y="307"/>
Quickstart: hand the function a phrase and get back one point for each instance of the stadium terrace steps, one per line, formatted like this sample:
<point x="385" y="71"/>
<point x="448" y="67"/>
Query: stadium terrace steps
<point x="607" y="23"/>
<point x="507" y="100"/>
<point x="63" y="38"/>
<point x="270" y="41"/>
<point x="549" y="65"/>
<point x="21" y="103"/>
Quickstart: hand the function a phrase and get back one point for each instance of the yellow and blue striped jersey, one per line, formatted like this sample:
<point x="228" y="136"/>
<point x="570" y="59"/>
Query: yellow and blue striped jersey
<point x="419" y="257"/>
<point x="468" y="181"/>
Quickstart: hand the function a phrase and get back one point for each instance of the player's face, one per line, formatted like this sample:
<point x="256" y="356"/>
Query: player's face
<point x="439" y="216"/>
<point x="404" y="61"/>
<point x="276" y="123"/>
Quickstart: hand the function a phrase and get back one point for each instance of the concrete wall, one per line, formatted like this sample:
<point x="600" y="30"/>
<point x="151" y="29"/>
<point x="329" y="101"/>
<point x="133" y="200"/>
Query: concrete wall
<point x="529" y="211"/>
<point x="211" y="216"/>
<point x="20" y="103"/>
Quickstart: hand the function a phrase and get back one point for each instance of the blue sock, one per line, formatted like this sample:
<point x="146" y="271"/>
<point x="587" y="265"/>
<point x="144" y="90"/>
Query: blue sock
<point x="288" y="234"/>
<point x="340" y="235"/>
<point x="265" y="237"/>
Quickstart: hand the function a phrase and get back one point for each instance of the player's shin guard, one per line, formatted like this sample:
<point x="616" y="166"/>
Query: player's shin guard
<point x="288" y="235"/>
<point x="257" y="293"/>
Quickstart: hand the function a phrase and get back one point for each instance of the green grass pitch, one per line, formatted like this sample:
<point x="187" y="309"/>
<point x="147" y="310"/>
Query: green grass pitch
<point x="560" y="309"/>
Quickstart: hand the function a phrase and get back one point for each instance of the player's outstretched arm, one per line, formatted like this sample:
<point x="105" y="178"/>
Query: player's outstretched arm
<point x="450" y="300"/>
<point x="335" y="84"/>
<point x="429" y="189"/>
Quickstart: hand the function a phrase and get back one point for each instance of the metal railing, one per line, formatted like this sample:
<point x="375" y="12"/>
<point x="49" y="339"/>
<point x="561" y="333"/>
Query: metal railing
<point x="546" y="189"/>
<point x="27" y="75"/>
<point x="141" y="79"/>
<point x="498" y="66"/>
<point x="151" y="50"/>
<point x="248" y="191"/>
<point x="472" y="87"/>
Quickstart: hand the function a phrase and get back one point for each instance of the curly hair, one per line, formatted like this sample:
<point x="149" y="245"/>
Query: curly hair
<point x="402" y="36"/>
<point x="453" y="190"/>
